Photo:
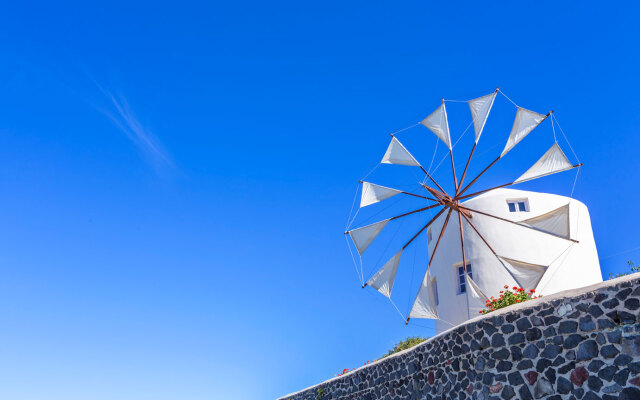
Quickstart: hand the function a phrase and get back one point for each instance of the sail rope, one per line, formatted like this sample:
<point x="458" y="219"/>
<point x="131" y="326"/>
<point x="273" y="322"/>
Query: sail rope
<point x="507" y="97"/>
<point x="355" y="264"/>
<point x="553" y="116"/>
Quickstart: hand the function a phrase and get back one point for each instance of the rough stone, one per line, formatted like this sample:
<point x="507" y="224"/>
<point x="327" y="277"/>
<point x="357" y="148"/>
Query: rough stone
<point x="542" y="388"/>
<point x="629" y="393"/>
<point x="587" y="350"/>
<point x="551" y="351"/>
<point x="568" y="327"/>
<point x="579" y="376"/>
<point x="595" y="365"/>
<point x="531" y="377"/>
<point x="563" y="385"/>
<point x="631" y="346"/>
<point x="508" y="393"/>
<point x="609" y="351"/>
<point x="594" y="383"/>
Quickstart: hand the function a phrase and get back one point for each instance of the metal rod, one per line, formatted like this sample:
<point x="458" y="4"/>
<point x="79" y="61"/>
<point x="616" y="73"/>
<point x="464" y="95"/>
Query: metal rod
<point x="464" y="262"/>
<point x="415" y="211"/>
<point x="486" y="190"/>
<point x="464" y="173"/>
<point x="432" y="180"/>
<point x="417" y="195"/>
<point x="478" y="176"/>
<point x="516" y="223"/>
<point x="408" y="213"/>
<point x="453" y="169"/>
<point x="423" y="228"/>
<point x="479" y="234"/>
<point x="444" y="226"/>
<point x="512" y="183"/>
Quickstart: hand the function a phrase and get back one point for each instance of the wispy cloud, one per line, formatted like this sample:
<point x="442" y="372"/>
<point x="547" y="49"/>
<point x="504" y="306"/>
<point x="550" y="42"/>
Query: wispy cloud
<point x="123" y="117"/>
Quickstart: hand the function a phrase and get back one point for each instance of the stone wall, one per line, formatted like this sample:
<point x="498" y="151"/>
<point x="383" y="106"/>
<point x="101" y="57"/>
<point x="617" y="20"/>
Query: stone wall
<point x="579" y="344"/>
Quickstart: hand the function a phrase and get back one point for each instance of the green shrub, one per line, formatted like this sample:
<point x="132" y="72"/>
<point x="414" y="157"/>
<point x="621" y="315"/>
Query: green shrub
<point x="405" y="344"/>
<point x="634" y="268"/>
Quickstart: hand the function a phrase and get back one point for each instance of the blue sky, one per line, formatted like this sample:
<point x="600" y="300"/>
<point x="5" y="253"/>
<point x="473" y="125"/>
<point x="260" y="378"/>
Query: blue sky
<point x="177" y="176"/>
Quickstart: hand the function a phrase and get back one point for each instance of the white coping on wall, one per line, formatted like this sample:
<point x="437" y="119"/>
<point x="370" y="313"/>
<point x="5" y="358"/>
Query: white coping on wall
<point x="515" y="307"/>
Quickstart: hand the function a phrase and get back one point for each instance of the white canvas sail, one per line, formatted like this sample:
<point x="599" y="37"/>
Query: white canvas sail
<point x="425" y="304"/>
<point x="555" y="222"/>
<point x="398" y="154"/>
<point x="383" y="280"/>
<point x="480" y="109"/>
<point x="437" y="122"/>
<point x="525" y="122"/>
<point x="372" y="193"/>
<point x="477" y="299"/>
<point x="362" y="237"/>
<point x="551" y="162"/>
<point x="526" y="275"/>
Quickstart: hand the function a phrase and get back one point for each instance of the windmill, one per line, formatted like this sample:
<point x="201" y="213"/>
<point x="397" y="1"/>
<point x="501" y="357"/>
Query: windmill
<point x="483" y="224"/>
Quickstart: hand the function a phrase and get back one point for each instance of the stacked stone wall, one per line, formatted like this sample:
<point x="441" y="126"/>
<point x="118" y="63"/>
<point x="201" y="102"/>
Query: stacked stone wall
<point x="580" y="344"/>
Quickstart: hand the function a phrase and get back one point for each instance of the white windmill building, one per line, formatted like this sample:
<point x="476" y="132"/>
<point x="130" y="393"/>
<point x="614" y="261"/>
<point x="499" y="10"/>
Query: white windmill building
<point x="478" y="242"/>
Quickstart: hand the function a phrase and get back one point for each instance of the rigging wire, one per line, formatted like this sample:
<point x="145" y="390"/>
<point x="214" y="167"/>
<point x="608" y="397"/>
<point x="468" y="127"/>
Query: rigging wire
<point x="454" y="145"/>
<point x="620" y="253"/>
<point x="507" y="97"/>
<point x="404" y="129"/>
<point x="355" y="264"/>
<point x="565" y="137"/>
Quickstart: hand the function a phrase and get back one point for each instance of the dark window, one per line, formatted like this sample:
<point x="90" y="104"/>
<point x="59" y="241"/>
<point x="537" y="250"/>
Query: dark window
<point x="462" y="283"/>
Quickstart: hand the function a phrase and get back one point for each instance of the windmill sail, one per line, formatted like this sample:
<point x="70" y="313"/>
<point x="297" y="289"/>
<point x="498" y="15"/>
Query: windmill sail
<point x="362" y="237"/>
<point x="398" y="154"/>
<point x="477" y="299"/>
<point x="551" y="162"/>
<point x="526" y="275"/>
<point x="480" y="109"/>
<point x="437" y="122"/>
<point x="383" y="280"/>
<point x="555" y="222"/>
<point x="525" y="122"/>
<point x="425" y="304"/>
<point x="372" y="193"/>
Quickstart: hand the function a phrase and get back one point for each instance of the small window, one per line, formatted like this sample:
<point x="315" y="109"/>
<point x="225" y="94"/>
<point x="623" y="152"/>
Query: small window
<point x="434" y="281"/>
<point x="518" y="205"/>
<point x="429" y="237"/>
<point x="462" y="283"/>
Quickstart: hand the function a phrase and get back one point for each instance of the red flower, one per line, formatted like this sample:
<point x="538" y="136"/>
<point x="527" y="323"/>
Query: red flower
<point x="515" y="288"/>
<point x="506" y="286"/>
<point x="502" y="291"/>
<point x="532" y="291"/>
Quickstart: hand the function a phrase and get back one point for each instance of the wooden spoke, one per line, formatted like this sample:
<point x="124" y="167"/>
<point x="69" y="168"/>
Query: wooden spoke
<point x="479" y="234"/>
<point x="453" y="170"/>
<point x="513" y="183"/>
<point x="444" y="226"/>
<point x="432" y="180"/>
<point x="423" y="228"/>
<point x="516" y="223"/>
<point x="415" y="211"/>
<point x="464" y="173"/>
<point x="478" y="176"/>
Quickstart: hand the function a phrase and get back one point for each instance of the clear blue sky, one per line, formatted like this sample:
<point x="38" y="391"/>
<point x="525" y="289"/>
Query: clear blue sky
<point x="176" y="177"/>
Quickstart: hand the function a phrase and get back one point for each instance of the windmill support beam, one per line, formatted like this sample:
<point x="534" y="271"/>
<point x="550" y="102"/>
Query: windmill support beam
<point x="444" y="226"/>
<point x="512" y="183"/>
<point x="423" y="228"/>
<point x="464" y="173"/>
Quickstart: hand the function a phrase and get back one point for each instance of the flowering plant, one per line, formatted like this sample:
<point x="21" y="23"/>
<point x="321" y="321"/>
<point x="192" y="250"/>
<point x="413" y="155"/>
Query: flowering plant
<point x="507" y="298"/>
